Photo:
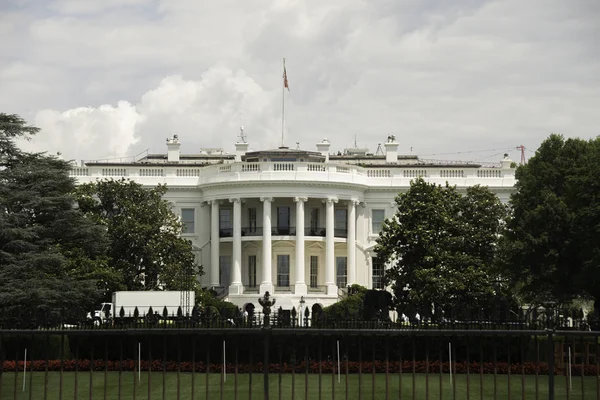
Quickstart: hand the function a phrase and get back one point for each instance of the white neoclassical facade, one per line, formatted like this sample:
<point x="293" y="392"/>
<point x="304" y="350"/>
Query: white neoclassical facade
<point x="299" y="224"/>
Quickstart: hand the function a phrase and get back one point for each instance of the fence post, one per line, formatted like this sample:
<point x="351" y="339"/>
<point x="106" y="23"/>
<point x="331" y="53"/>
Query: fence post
<point x="550" y="363"/>
<point x="267" y="336"/>
<point x="266" y="302"/>
<point x="550" y="333"/>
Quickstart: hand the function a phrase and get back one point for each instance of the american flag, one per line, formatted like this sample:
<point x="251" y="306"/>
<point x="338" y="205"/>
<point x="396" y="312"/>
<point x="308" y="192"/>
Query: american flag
<point x="285" y="81"/>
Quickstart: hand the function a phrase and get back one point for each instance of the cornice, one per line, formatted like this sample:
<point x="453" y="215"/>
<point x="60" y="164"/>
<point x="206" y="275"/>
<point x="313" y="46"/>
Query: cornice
<point x="497" y="189"/>
<point x="181" y="188"/>
<point x="237" y="184"/>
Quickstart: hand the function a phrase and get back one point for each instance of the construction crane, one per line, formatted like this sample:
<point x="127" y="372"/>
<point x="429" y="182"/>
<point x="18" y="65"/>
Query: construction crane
<point x="522" y="148"/>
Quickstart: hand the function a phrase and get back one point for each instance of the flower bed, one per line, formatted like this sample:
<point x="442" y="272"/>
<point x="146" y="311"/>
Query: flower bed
<point x="313" y="367"/>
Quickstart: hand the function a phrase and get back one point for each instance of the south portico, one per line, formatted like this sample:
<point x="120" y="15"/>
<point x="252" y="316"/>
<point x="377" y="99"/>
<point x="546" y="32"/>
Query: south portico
<point x="292" y="253"/>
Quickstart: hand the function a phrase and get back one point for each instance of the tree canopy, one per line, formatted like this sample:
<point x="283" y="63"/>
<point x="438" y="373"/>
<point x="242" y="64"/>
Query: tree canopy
<point x="440" y="248"/>
<point x="51" y="256"/>
<point x="349" y="308"/>
<point x="145" y="249"/>
<point x="551" y="247"/>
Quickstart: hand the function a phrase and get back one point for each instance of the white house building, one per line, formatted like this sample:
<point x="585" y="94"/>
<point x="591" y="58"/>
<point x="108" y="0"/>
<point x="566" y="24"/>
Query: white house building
<point x="299" y="224"/>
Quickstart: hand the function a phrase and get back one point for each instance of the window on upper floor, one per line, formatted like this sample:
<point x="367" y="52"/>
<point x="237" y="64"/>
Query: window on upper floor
<point x="252" y="220"/>
<point x="377" y="218"/>
<point x="340" y="222"/>
<point x="225" y="221"/>
<point x="188" y="218"/>
<point x="314" y="221"/>
<point x="283" y="220"/>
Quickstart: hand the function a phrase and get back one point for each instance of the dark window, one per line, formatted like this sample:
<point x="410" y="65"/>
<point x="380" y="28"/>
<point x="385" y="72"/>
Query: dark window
<point x="340" y="222"/>
<point x="283" y="220"/>
<point x="314" y="271"/>
<point x="377" y="218"/>
<point x="225" y="222"/>
<point x="377" y="273"/>
<point x="224" y="270"/>
<point x="341" y="271"/>
<point x="251" y="271"/>
<point x="314" y="221"/>
<point x="252" y="220"/>
<point x="283" y="270"/>
<point x="188" y="219"/>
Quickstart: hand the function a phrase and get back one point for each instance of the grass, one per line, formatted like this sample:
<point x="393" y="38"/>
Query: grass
<point x="498" y="386"/>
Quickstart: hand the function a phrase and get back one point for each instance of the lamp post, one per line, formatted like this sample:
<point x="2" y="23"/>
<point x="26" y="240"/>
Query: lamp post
<point x="302" y="302"/>
<point x="266" y="302"/>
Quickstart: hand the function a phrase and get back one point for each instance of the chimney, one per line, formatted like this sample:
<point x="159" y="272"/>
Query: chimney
<point x="506" y="162"/>
<point x="240" y="149"/>
<point x="173" y="149"/>
<point x="323" y="148"/>
<point x="391" y="149"/>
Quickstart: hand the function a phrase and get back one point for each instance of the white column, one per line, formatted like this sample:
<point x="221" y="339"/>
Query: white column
<point x="351" y="241"/>
<point x="300" y="285"/>
<point x="329" y="248"/>
<point x="214" y="243"/>
<point x="266" y="284"/>
<point x="236" y="273"/>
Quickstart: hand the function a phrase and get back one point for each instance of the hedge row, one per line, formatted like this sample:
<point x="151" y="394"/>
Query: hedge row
<point x="313" y="367"/>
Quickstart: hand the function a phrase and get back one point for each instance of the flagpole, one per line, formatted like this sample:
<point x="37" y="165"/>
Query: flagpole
<point x="283" y="103"/>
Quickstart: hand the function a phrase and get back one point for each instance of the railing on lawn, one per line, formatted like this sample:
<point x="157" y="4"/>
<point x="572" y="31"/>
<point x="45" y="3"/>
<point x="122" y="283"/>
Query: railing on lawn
<point x="299" y="355"/>
<point x="298" y="363"/>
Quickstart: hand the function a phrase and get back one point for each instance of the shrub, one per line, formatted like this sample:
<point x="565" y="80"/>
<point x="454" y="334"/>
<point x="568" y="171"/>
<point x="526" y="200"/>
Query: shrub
<point x="349" y="308"/>
<point x="207" y="300"/>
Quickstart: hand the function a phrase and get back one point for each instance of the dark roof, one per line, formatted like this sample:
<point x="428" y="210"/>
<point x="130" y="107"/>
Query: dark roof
<point x="283" y="151"/>
<point x="188" y="156"/>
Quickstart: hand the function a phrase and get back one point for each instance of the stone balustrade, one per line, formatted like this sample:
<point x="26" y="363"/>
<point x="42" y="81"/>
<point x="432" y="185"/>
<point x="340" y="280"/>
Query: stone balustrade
<point x="384" y="176"/>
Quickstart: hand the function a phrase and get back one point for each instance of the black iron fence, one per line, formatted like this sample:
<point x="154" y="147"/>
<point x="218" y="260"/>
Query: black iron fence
<point x="351" y="360"/>
<point x="196" y="317"/>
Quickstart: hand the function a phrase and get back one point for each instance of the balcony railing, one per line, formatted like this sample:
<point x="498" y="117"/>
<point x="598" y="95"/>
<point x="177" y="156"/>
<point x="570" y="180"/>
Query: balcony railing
<point x="283" y="231"/>
<point x="258" y="231"/>
<point x="225" y="232"/>
<point x="252" y="231"/>
<point x="318" y="231"/>
<point x="340" y="233"/>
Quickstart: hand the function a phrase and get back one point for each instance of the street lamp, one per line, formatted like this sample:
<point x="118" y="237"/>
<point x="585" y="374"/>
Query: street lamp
<point x="302" y="302"/>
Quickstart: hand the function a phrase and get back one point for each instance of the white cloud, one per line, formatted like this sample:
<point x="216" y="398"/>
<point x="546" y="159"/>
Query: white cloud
<point x="85" y="131"/>
<point x="443" y="76"/>
<point x="206" y="112"/>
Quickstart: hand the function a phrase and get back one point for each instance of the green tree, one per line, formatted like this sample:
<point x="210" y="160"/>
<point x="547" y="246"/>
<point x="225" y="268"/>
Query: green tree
<point x="350" y="308"/>
<point x="51" y="256"/>
<point x="551" y="247"/>
<point x="144" y="235"/>
<point x="207" y="300"/>
<point x="440" y="247"/>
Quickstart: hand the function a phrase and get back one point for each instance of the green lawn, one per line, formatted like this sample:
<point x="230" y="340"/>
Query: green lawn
<point x="128" y="387"/>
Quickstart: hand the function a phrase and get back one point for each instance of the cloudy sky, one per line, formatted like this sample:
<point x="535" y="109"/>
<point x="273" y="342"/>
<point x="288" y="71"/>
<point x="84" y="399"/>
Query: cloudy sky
<point x="450" y="79"/>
